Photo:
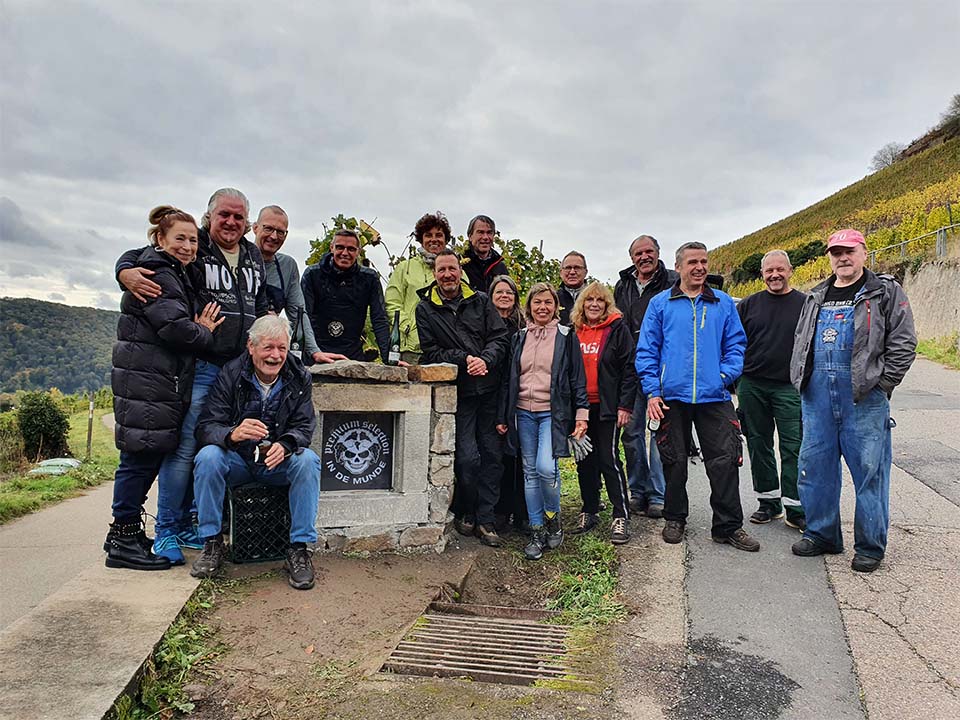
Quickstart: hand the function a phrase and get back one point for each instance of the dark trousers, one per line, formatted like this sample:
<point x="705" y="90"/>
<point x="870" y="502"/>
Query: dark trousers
<point x="719" y="433"/>
<point x="512" y="501"/>
<point x="602" y="461"/>
<point x="131" y="483"/>
<point x="477" y="459"/>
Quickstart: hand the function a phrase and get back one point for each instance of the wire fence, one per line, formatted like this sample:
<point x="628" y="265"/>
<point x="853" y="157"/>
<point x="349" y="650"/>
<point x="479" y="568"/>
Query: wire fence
<point x="937" y="240"/>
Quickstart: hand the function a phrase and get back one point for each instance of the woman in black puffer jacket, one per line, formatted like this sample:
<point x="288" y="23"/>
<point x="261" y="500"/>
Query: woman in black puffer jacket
<point x="152" y="373"/>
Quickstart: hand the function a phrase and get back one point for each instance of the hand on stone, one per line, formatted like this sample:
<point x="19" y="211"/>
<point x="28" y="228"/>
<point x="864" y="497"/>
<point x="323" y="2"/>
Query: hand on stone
<point x="325" y="357"/>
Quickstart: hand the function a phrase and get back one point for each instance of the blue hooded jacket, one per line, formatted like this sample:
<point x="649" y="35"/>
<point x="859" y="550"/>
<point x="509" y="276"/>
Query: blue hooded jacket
<point x="690" y="349"/>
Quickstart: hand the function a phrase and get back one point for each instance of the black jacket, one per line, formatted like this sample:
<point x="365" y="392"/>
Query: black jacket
<point x="568" y="390"/>
<point x="474" y="328"/>
<point x="242" y="298"/>
<point x="616" y="376"/>
<point x="336" y="302"/>
<point x="236" y="396"/>
<point x="480" y="273"/>
<point x="153" y="358"/>
<point x="631" y="303"/>
<point x="566" y="303"/>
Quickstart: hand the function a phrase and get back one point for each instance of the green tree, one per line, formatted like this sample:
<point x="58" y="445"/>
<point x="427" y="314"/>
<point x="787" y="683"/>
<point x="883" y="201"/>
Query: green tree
<point x="43" y="426"/>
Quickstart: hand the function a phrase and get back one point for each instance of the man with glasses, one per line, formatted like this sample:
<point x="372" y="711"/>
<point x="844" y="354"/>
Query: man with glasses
<point x="283" y="280"/>
<point x="337" y="293"/>
<point x="573" y="279"/>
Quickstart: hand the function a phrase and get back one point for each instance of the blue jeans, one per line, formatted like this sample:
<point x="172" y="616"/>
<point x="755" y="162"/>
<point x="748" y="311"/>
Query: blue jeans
<point x="215" y="468"/>
<point x="176" y="471"/>
<point x="833" y="426"/>
<point x="541" y="474"/>
<point x="644" y="478"/>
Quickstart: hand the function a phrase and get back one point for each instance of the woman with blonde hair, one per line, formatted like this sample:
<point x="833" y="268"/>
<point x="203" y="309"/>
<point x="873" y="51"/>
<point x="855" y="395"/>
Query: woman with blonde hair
<point x="543" y="404"/>
<point x="607" y="347"/>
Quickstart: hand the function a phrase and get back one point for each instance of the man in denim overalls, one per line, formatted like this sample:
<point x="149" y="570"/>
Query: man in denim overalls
<point x="855" y="341"/>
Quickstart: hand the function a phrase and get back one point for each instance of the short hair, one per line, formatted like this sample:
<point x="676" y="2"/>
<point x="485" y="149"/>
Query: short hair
<point x="269" y="326"/>
<point x="637" y="239"/>
<point x="447" y="251"/>
<point x="594" y="289"/>
<point x="272" y="208"/>
<point x="692" y="245"/>
<point x="345" y="232"/>
<point x="225" y="192"/>
<point x="538" y="288"/>
<point x="776" y="253"/>
<point x="429" y="221"/>
<point x="578" y="254"/>
<point x="162" y="219"/>
<point x="481" y="218"/>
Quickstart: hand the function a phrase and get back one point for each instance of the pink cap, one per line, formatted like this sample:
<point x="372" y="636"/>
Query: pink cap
<point x="846" y="238"/>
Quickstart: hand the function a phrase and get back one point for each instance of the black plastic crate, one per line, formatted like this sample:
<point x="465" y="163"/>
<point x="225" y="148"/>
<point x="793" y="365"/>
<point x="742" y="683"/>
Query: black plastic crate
<point x="257" y="518"/>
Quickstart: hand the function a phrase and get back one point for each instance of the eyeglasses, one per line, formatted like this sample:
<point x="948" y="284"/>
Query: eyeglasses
<point x="346" y="248"/>
<point x="270" y="230"/>
<point x="574" y="267"/>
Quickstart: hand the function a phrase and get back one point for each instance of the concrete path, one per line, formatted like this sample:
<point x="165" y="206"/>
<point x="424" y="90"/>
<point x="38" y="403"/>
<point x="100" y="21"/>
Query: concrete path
<point x="776" y="636"/>
<point x="73" y="633"/>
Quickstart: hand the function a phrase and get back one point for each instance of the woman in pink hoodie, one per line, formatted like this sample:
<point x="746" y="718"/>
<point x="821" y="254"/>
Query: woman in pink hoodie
<point x="544" y="402"/>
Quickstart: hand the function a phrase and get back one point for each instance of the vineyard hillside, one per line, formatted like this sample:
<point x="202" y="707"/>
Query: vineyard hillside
<point x="916" y="195"/>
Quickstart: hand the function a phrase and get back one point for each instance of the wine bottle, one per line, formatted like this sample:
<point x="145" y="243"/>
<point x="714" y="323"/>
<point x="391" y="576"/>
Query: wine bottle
<point x="393" y="358"/>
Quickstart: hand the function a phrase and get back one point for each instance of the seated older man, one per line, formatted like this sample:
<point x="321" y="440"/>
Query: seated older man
<point x="256" y="427"/>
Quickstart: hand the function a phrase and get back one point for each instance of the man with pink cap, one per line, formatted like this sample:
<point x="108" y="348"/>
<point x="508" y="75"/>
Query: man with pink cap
<point x="854" y="343"/>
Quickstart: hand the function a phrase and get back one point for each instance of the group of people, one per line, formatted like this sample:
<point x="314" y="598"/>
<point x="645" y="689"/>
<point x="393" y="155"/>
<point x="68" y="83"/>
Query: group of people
<point x="208" y="394"/>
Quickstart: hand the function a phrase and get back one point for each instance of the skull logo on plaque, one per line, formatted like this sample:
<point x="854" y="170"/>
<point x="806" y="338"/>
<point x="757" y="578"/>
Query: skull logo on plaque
<point x="357" y="451"/>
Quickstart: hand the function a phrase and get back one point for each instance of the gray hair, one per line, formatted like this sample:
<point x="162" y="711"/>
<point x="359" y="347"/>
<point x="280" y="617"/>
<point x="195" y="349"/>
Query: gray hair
<point x="693" y="245"/>
<point x="269" y="326"/>
<point x="637" y="239"/>
<point x="273" y="208"/>
<point x="224" y="192"/>
<point x="776" y="253"/>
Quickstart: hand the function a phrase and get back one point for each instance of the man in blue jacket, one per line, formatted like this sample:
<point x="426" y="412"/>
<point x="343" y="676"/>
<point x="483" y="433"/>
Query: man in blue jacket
<point x="690" y="351"/>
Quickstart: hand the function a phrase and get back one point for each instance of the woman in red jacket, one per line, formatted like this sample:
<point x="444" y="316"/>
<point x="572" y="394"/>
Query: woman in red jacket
<point x="606" y="344"/>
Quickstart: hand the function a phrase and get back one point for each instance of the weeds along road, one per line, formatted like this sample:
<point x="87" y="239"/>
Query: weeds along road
<point x="771" y="635"/>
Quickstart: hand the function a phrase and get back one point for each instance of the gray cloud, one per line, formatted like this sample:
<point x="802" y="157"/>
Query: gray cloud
<point x="579" y="124"/>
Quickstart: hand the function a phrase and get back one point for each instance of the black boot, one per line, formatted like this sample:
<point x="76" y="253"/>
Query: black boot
<point x="125" y="549"/>
<point x="538" y="541"/>
<point x="146" y="542"/>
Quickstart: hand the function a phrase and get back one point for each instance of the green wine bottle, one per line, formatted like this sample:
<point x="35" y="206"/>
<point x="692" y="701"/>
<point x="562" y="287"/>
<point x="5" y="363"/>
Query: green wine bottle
<point x="393" y="358"/>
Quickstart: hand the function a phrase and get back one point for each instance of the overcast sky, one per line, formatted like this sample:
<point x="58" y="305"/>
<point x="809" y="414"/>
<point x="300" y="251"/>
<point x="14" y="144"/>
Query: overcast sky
<point x="581" y="124"/>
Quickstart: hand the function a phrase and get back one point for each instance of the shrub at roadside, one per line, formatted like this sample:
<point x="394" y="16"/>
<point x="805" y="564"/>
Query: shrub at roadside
<point x="43" y="426"/>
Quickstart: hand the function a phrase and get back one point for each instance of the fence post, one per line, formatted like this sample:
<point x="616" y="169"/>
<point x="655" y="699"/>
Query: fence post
<point x="90" y="427"/>
<point x="941" y="242"/>
<point x="873" y="258"/>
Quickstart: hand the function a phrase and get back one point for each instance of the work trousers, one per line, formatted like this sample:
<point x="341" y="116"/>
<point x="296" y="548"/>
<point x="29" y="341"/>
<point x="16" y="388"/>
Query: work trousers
<point x="765" y="404"/>
<point x="719" y="433"/>
<point x="477" y="459"/>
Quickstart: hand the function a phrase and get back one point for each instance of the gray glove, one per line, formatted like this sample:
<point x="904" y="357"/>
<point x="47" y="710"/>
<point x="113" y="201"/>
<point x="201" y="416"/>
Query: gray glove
<point x="579" y="448"/>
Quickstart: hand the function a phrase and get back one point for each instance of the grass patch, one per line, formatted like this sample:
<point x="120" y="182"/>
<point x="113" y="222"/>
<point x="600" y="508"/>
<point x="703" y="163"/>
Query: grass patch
<point x="186" y="647"/>
<point x="942" y="350"/>
<point x="21" y="493"/>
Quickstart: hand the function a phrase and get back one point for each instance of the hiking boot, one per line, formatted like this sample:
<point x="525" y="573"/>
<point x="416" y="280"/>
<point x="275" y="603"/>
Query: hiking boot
<point x="126" y="550"/>
<point x="210" y="561"/>
<point x="655" y="510"/>
<point x="585" y="523"/>
<point x="638" y="504"/>
<point x="166" y="545"/>
<point x="466" y="526"/>
<point x="672" y="531"/>
<point x="554" y="532"/>
<point x="864" y="563"/>
<point x="805" y="547"/>
<point x="538" y="541"/>
<point x="299" y="566"/>
<point x="488" y="535"/>
<point x="619" y="534"/>
<point x="765" y="514"/>
<point x="741" y="540"/>
<point x="798" y="523"/>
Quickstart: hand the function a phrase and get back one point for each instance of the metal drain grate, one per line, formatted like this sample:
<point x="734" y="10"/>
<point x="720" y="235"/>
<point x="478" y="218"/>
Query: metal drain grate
<point x="485" y="643"/>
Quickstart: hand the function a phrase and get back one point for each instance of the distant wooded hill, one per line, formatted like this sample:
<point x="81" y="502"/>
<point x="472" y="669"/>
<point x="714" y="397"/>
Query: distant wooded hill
<point x="45" y="345"/>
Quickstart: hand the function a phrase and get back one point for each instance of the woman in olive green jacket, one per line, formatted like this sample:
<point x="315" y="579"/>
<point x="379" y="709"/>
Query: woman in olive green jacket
<point x="433" y="233"/>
